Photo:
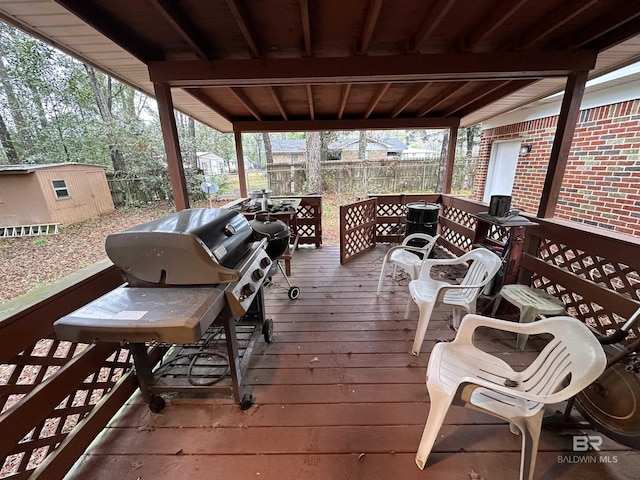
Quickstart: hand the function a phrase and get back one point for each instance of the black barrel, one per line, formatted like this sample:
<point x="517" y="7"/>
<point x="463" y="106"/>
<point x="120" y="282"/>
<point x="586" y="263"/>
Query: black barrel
<point x="422" y="217"/>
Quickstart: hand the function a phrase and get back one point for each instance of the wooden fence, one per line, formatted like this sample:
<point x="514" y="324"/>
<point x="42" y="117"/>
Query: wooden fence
<point x="370" y="176"/>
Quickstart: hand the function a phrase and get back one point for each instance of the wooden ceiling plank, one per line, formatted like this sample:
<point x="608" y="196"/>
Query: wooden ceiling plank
<point x="429" y="106"/>
<point x="371" y="69"/>
<point x="312" y="113"/>
<point x="492" y="22"/>
<point x="551" y="23"/>
<point x="248" y="104"/>
<point x="415" y="92"/>
<point x="346" y="89"/>
<point x="278" y="102"/>
<point x="431" y="22"/>
<point x="376" y="99"/>
<point x="373" y="13"/>
<point x="344" y="124"/>
<point x="306" y="27"/>
<point x="243" y="24"/>
<point x="184" y="28"/>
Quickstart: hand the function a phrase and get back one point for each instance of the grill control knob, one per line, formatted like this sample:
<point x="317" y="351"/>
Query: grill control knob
<point x="257" y="274"/>
<point x="265" y="262"/>
<point x="247" y="290"/>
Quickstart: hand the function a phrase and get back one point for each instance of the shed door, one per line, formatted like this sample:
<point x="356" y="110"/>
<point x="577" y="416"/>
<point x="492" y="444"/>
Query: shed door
<point x="100" y="193"/>
<point x="502" y="168"/>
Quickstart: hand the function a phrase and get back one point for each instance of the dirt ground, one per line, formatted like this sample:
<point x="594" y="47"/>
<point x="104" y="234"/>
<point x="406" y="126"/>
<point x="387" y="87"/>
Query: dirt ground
<point x="29" y="262"/>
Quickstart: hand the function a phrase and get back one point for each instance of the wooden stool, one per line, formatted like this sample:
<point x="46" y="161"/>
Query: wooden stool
<point x="531" y="302"/>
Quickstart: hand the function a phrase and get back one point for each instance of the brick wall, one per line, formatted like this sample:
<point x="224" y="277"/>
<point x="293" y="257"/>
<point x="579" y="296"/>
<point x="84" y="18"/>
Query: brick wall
<point x="601" y="185"/>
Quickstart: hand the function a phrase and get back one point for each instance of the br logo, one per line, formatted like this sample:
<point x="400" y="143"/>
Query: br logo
<point x="582" y="443"/>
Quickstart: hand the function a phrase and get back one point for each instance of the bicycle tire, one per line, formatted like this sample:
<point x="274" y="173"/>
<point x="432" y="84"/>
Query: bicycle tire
<point x="612" y="405"/>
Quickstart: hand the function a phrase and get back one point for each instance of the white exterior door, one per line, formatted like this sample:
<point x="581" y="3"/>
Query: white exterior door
<point x="502" y="168"/>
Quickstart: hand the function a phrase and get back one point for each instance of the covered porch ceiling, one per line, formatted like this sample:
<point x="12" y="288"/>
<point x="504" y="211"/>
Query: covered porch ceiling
<point x="292" y="65"/>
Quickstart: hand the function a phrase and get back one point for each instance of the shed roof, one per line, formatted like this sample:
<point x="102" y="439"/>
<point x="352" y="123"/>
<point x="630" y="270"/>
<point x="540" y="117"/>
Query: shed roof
<point x="31" y="167"/>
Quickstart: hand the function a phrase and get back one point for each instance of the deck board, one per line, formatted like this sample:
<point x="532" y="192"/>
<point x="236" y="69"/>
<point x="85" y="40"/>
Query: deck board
<point x="338" y="396"/>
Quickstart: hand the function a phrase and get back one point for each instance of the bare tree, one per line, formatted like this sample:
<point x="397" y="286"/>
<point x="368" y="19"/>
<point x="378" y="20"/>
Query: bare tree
<point x="314" y="172"/>
<point x="268" y="151"/>
<point x="442" y="164"/>
<point x="7" y="143"/>
<point x="362" y="145"/>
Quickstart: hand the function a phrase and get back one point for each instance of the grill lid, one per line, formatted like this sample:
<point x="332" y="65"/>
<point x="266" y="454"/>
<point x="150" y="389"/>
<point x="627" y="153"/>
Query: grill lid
<point x="196" y="246"/>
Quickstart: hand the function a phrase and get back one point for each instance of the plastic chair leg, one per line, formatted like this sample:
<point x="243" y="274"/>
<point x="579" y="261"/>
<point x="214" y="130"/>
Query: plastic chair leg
<point x="382" y="270"/>
<point x="440" y="403"/>
<point x="530" y="427"/>
<point x="407" y="311"/>
<point x="423" y="322"/>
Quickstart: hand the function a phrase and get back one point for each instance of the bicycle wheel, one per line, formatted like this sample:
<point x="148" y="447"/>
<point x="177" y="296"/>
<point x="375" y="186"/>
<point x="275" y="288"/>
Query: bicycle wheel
<point x="612" y="405"/>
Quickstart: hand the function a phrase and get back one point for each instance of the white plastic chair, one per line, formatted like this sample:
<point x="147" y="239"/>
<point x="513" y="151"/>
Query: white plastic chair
<point x="403" y="256"/>
<point x="461" y="374"/>
<point x="429" y="293"/>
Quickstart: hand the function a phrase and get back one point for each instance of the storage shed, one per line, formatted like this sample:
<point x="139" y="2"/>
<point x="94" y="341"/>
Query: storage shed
<point x="38" y="196"/>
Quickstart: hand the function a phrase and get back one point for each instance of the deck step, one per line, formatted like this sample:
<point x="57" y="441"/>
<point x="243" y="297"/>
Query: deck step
<point x="29" y="230"/>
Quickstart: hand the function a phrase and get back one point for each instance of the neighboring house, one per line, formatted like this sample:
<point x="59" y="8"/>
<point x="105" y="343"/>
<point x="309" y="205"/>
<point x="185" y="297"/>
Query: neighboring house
<point x="212" y="164"/>
<point x="62" y="193"/>
<point x="376" y="149"/>
<point x="295" y="151"/>
<point x="419" y="154"/>
<point x="601" y="185"/>
<point x="289" y="151"/>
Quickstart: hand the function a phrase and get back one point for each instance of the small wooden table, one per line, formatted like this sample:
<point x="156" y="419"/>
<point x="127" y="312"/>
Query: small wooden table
<point x="531" y="302"/>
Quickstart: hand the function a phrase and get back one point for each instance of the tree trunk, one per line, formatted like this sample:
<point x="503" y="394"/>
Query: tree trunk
<point x="191" y="144"/>
<point x="362" y="145"/>
<point x="325" y="139"/>
<point x="442" y="163"/>
<point x="117" y="158"/>
<point x="314" y="172"/>
<point x="16" y="112"/>
<point x="7" y="143"/>
<point x="268" y="151"/>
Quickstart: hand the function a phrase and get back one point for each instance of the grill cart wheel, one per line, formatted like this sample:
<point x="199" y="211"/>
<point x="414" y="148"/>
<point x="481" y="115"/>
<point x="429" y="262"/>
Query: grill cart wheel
<point x="247" y="401"/>
<point x="157" y="403"/>
<point x="294" y="292"/>
<point x="267" y="330"/>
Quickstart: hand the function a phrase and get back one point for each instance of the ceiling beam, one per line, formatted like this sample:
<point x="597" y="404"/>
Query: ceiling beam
<point x="106" y="24"/>
<point x="306" y="26"/>
<point x="371" y="69"/>
<point x="312" y="113"/>
<point x="344" y="96"/>
<point x="248" y="104"/>
<point x="507" y="89"/>
<point x="373" y="12"/>
<point x="556" y="19"/>
<point x="184" y="27"/>
<point x="431" y="22"/>
<point x="492" y="22"/>
<point x="620" y="17"/>
<point x="376" y="99"/>
<point x="206" y="100"/>
<point x="410" y="97"/>
<point x="446" y="94"/>
<point x="243" y="24"/>
<point x="476" y="95"/>
<point x="346" y="124"/>
<point x="278" y="102"/>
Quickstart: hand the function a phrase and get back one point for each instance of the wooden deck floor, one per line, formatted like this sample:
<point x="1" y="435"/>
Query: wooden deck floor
<point x="338" y="396"/>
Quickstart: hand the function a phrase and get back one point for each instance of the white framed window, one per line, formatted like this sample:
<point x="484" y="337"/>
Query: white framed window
<point x="60" y="189"/>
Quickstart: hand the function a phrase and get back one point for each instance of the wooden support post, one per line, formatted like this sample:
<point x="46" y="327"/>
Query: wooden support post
<point x="171" y="145"/>
<point x="242" y="177"/>
<point x="451" y="159"/>
<point x="567" y="121"/>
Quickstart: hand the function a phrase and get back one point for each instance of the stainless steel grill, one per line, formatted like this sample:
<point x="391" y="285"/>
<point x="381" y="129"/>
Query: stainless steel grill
<point x="186" y="274"/>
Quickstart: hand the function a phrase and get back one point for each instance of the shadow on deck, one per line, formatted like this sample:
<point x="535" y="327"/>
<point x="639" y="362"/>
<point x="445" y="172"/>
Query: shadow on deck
<point x="338" y="396"/>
